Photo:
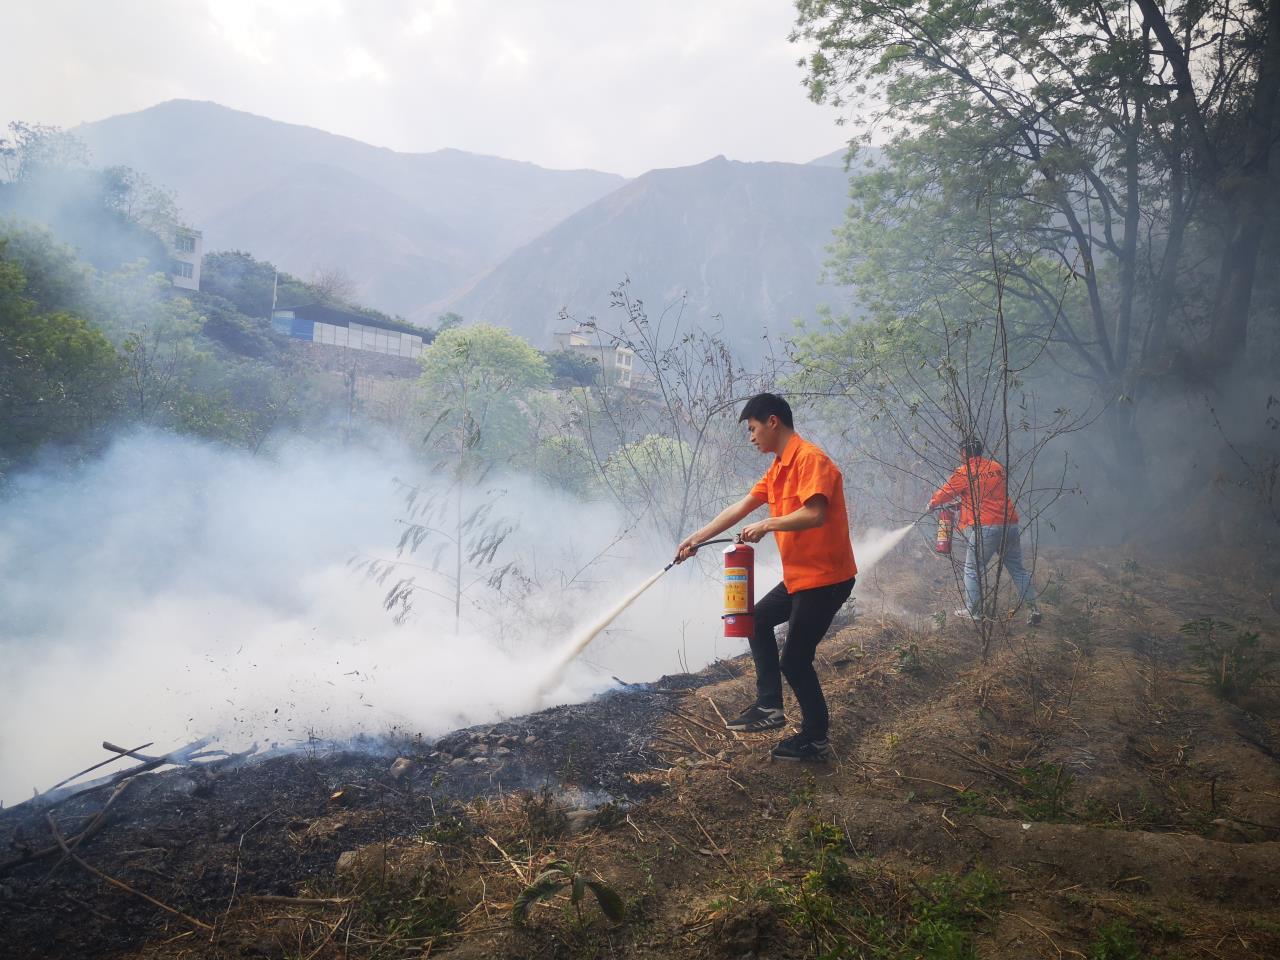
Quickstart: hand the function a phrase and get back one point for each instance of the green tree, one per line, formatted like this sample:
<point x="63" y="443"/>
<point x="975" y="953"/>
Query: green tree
<point x="568" y="367"/>
<point x="32" y="150"/>
<point x="155" y="332"/>
<point x="477" y="383"/>
<point x="58" y="375"/>
<point x="1045" y="143"/>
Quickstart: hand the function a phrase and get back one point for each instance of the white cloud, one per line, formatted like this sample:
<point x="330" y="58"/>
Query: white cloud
<point x="361" y="65"/>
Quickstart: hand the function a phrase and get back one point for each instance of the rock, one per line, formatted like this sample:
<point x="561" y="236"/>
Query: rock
<point x="458" y="761"/>
<point x="478" y="749"/>
<point x="400" y="767"/>
<point x="530" y="740"/>
<point x="402" y="860"/>
<point x="578" y="821"/>
<point x="502" y="751"/>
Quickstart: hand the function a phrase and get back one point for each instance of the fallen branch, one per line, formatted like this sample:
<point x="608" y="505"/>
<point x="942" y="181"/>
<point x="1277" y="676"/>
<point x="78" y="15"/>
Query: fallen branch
<point x="102" y="763"/>
<point x="177" y="757"/>
<point x="300" y="901"/>
<point x="718" y="734"/>
<point x="57" y="835"/>
<point x="91" y="828"/>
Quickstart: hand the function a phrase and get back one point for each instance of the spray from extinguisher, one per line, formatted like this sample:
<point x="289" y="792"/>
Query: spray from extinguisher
<point x="739" y="621"/>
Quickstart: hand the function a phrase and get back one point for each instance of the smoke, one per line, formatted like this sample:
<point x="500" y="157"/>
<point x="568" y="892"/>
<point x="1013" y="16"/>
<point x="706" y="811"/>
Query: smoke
<point x="171" y="589"/>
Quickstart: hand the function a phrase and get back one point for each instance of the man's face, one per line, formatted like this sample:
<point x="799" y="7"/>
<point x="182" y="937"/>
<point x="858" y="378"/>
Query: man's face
<point x="764" y="434"/>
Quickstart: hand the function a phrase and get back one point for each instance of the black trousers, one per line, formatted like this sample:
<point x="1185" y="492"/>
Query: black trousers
<point x="808" y="614"/>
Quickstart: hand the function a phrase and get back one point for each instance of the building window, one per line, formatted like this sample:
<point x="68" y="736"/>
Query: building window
<point x="186" y="243"/>
<point x="183" y="270"/>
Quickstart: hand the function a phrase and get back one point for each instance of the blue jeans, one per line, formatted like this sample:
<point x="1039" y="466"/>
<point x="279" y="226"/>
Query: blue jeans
<point x="1003" y="540"/>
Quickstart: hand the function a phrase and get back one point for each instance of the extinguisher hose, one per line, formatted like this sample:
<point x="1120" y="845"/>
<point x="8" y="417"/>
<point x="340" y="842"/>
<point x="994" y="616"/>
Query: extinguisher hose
<point x="699" y="546"/>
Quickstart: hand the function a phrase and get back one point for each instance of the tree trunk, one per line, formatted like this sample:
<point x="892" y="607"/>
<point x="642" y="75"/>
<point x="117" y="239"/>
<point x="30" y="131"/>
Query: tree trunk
<point x="1250" y="207"/>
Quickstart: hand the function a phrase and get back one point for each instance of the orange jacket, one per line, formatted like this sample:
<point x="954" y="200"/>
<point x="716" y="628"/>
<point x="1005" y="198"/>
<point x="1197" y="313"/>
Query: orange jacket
<point x="819" y="556"/>
<point x="987" y="486"/>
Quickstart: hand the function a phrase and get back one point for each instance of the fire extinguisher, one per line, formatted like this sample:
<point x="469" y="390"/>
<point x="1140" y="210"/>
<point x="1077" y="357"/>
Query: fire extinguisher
<point x="739" y="590"/>
<point x="946" y="521"/>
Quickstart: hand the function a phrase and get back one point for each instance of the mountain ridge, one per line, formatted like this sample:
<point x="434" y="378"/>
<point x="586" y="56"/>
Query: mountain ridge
<point x="216" y="159"/>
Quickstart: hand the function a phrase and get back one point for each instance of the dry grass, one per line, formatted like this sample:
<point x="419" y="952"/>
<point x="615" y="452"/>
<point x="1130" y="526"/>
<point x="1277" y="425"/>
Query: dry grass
<point x="1077" y="793"/>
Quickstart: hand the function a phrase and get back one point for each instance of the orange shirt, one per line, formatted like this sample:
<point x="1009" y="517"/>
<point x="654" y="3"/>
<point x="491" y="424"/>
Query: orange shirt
<point x="988" y="487"/>
<point x="819" y="556"/>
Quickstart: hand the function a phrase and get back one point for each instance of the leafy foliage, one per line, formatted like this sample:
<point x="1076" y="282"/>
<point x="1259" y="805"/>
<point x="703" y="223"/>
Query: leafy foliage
<point x="560" y="874"/>
<point x="1229" y="658"/>
<point x="59" y="376"/>
<point x="477" y="383"/>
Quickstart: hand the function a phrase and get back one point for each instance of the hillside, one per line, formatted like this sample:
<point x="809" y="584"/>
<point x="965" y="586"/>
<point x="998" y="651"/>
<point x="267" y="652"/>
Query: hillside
<point x="745" y="241"/>
<point x="407" y="227"/>
<point x="1082" y="791"/>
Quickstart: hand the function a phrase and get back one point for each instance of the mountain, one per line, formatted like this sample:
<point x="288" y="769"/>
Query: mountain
<point x="745" y="241"/>
<point x="407" y="227"/>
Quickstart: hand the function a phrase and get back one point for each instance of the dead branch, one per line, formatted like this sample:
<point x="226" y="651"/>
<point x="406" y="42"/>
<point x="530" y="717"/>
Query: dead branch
<point x="91" y="828"/>
<point x="57" y="835"/>
<point x="102" y="763"/>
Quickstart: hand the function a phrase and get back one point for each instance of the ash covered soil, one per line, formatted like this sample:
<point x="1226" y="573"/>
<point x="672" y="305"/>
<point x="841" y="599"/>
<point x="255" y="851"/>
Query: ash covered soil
<point x="199" y="836"/>
<point x="1089" y="788"/>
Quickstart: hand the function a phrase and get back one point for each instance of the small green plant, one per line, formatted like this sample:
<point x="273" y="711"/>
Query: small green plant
<point x="971" y="802"/>
<point x="545" y="817"/>
<point x="1115" y="941"/>
<point x="1046" y="788"/>
<point x="608" y="815"/>
<point x="558" y="875"/>
<point x="450" y="830"/>
<point x="946" y="911"/>
<point x="1052" y="592"/>
<point x="400" y="912"/>
<point x="803" y="794"/>
<point x="940" y="620"/>
<point x="1228" y="658"/>
<point x="909" y="659"/>
<point x="1079" y="625"/>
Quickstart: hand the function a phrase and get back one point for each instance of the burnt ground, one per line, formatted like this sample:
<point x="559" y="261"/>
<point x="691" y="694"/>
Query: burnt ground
<point x="197" y="835"/>
<point x="1105" y="786"/>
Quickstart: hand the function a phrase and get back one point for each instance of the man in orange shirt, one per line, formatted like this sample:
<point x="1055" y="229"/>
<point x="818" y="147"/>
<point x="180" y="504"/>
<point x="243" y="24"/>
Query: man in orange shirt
<point x="805" y="494"/>
<point x="980" y="487"/>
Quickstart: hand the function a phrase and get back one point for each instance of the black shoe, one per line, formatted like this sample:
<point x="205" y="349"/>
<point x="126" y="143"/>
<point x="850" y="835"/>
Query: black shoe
<point x="802" y="747"/>
<point x="758" y="719"/>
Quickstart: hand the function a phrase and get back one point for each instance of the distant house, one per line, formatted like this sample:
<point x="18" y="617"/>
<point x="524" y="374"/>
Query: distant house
<point x="617" y="363"/>
<point x="324" y="324"/>
<point x="186" y="249"/>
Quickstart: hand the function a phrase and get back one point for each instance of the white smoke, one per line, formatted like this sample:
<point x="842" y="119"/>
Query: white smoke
<point x="171" y="589"/>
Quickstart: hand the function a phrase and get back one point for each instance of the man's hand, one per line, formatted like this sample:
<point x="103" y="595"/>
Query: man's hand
<point x="755" y="532"/>
<point x="687" y="547"/>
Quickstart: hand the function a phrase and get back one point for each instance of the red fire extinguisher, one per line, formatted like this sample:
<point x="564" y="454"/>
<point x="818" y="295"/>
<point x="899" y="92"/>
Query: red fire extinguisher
<point x="739" y="590"/>
<point x="946" y="521"/>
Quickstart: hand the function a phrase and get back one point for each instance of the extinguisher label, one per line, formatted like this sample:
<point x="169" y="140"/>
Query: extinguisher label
<point x="735" y="590"/>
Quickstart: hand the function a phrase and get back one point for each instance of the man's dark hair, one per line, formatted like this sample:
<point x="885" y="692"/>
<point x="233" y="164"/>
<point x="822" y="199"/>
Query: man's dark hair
<point x="971" y="447"/>
<point x="765" y="405"/>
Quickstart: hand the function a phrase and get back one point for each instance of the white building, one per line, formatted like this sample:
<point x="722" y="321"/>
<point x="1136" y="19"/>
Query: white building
<point x="617" y="362"/>
<point x="186" y="249"/>
<point x="322" y="324"/>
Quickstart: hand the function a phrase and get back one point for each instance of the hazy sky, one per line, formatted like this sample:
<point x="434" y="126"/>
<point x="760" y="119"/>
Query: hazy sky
<point x="617" y="86"/>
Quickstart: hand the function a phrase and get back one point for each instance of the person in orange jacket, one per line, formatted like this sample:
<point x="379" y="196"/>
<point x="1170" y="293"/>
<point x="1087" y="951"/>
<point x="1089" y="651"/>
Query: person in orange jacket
<point x="804" y="490"/>
<point x="989" y="524"/>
